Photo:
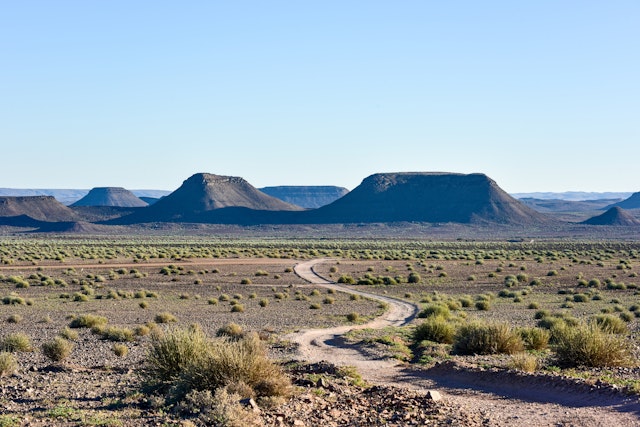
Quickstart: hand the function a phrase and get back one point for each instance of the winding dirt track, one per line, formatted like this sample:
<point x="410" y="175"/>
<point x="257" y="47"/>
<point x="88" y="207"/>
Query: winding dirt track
<point x="507" y="399"/>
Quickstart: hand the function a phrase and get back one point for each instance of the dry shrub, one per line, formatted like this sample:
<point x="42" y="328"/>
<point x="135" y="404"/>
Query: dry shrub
<point x="57" y="350"/>
<point x="590" y="345"/>
<point x="114" y="333"/>
<point x="487" y="338"/>
<point x="16" y="342"/>
<point x="435" y="310"/>
<point x="221" y="408"/>
<point x="230" y="330"/>
<point x="165" y="318"/>
<point x="610" y="324"/>
<point x="120" y="350"/>
<point x="8" y="363"/>
<point x="68" y="334"/>
<point x="535" y="338"/>
<point x="524" y="362"/>
<point x="88" y="321"/>
<point x="184" y="360"/>
<point x="435" y="329"/>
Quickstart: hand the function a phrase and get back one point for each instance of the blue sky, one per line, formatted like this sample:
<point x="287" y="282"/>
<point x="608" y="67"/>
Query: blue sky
<point x="540" y="95"/>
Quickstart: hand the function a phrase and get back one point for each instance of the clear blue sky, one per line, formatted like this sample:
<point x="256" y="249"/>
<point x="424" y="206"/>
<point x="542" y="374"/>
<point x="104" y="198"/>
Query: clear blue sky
<point x="540" y="95"/>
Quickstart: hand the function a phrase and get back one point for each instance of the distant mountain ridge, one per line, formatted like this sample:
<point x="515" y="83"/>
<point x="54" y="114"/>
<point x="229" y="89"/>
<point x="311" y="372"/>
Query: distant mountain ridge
<point x="70" y="196"/>
<point x="42" y="208"/>
<point x="309" y="197"/>
<point x="572" y="195"/>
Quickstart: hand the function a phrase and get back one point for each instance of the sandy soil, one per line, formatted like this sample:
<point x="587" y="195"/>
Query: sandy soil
<point x="502" y="398"/>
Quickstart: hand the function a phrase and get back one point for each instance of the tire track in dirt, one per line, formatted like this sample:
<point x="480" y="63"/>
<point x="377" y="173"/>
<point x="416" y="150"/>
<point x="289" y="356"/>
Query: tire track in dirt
<point x="500" y="399"/>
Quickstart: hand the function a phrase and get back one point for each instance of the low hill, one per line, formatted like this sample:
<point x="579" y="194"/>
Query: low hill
<point x="309" y="197"/>
<point x="75" y="227"/>
<point x="427" y="197"/>
<point x="614" y="216"/>
<point x="110" y="196"/>
<point x="575" y="196"/>
<point x="205" y="192"/>
<point x="633" y="202"/>
<point x="43" y="208"/>
<point x="559" y="205"/>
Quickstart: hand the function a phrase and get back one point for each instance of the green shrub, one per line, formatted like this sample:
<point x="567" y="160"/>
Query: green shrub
<point x="346" y="280"/>
<point x="535" y="338"/>
<point x="16" y="342"/>
<point x="435" y="310"/>
<point x="436" y="329"/>
<point x="315" y="306"/>
<point x="328" y="300"/>
<point x="182" y="361"/>
<point x="245" y="282"/>
<point x="353" y="317"/>
<point x="487" y="338"/>
<point x="57" y="350"/>
<point x="589" y="345"/>
<point x="8" y="364"/>
<point x="237" y="308"/>
<point x="533" y="305"/>
<point x="610" y="324"/>
<point x="483" y="305"/>
<point x="263" y="302"/>
<point x="414" y="278"/>
<point x="466" y="302"/>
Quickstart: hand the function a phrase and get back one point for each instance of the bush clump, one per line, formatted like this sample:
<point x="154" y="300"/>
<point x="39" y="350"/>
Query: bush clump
<point x="435" y="310"/>
<point x="88" y="321"/>
<point x="589" y="345"/>
<point x="436" y="329"/>
<point x="487" y="338"/>
<point x="16" y="342"/>
<point x="8" y="363"/>
<point x="57" y="350"/>
<point x="186" y="360"/>
<point x="165" y="317"/>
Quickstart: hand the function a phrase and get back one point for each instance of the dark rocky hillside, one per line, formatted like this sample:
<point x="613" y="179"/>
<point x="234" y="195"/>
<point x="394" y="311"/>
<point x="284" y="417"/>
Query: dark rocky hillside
<point x="310" y="197"/>
<point x="110" y="196"/>
<point x="559" y="205"/>
<point x="614" y="216"/>
<point x="205" y="192"/>
<point x="633" y="202"/>
<point x="42" y="208"/>
<point x="427" y="197"/>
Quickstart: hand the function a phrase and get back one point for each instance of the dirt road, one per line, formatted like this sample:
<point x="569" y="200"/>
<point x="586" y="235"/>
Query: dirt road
<point x="501" y="399"/>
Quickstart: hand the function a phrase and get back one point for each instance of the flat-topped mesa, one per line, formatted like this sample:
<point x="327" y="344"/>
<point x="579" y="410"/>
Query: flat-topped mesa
<point x="614" y="216"/>
<point x="204" y="192"/>
<point x="111" y="196"/>
<point x="435" y="197"/>
<point x="42" y="208"/>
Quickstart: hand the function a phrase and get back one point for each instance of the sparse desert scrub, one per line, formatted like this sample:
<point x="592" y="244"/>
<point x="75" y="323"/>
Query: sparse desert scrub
<point x="120" y="350"/>
<point x="88" y="321"/>
<point x="231" y="330"/>
<point x="487" y="338"/>
<point x="184" y="360"/>
<point x="589" y="345"/>
<point x="524" y="362"/>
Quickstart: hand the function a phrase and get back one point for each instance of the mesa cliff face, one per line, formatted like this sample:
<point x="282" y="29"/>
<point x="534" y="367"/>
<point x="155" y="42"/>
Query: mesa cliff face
<point x="633" y="202"/>
<point x="428" y="197"/>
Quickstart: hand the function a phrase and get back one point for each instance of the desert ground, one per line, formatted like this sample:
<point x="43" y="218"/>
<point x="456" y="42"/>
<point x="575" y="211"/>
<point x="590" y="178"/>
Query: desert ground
<point x="339" y="317"/>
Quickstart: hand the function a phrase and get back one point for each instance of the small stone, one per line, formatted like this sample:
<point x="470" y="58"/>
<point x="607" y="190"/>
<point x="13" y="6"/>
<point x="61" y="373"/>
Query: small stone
<point x="434" y="395"/>
<point x="298" y="423"/>
<point x="251" y="404"/>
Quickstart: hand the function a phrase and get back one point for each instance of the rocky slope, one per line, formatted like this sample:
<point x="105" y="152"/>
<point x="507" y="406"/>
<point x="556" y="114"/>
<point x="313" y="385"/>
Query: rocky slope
<point x="614" y="216"/>
<point x="42" y="208"/>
